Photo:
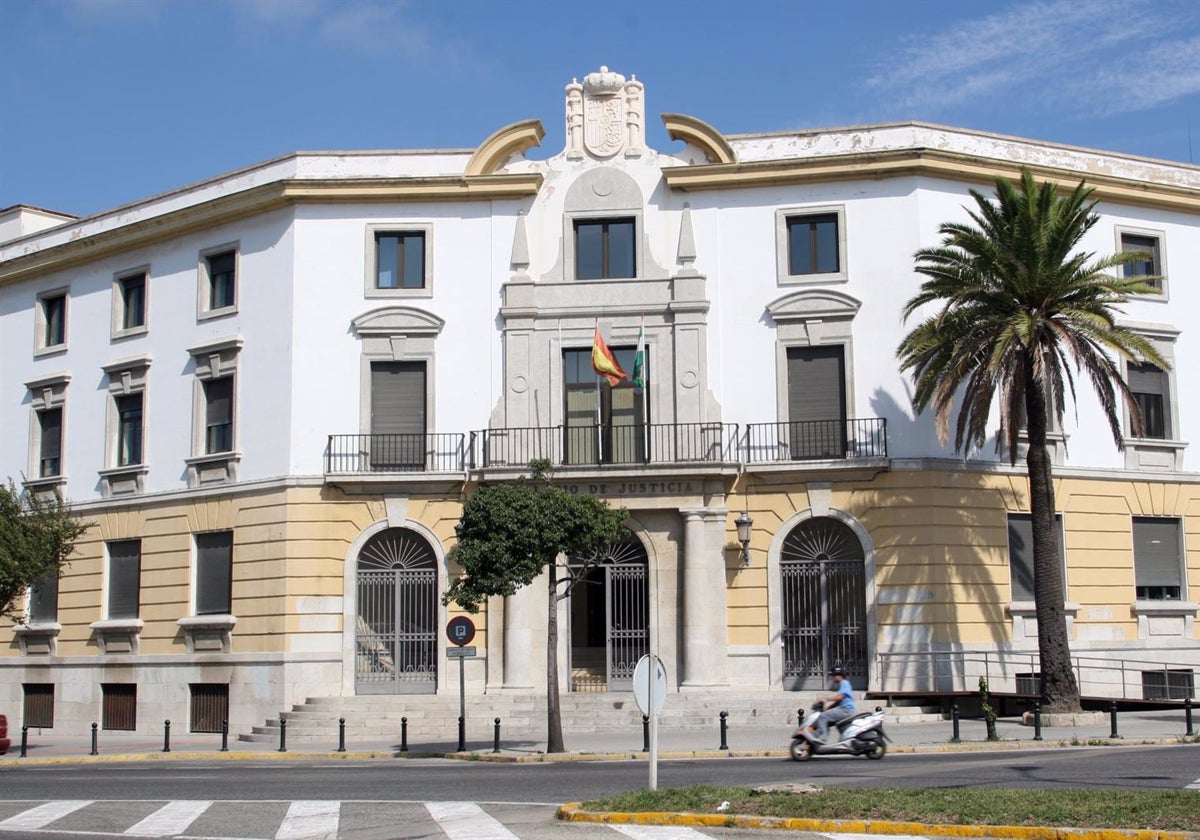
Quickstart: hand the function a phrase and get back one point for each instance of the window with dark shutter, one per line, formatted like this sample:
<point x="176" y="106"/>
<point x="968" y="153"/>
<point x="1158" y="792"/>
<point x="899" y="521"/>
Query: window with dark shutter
<point x="1158" y="573"/>
<point x="214" y="573"/>
<point x="50" y="449"/>
<point x="218" y="415"/>
<point x="43" y="600"/>
<point x="1020" y="554"/>
<point x="222" y="280"/>
<point x="124" y="578"/>
<point x="1151" y="392"/>
<point x="398" y="439"/>
<point x="817" y="402"/>
<point x="129" y="429"/>
<point x="133" y="301"/>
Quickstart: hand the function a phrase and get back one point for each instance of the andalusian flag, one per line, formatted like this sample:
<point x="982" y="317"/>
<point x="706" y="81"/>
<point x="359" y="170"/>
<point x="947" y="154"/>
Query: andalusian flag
<point x="639" y="359"/>
<point x="603" y="361"/>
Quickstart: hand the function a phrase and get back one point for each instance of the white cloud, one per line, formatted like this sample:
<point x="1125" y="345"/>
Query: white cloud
<point x="1099" y="57"/>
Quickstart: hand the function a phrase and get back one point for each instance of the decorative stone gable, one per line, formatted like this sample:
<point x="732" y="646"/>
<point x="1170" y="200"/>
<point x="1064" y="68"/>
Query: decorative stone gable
<point x="606" y="116"/>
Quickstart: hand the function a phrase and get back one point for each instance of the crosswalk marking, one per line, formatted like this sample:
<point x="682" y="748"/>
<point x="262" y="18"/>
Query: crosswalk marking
<point x="172" y="818"/>
<point x="310" y="820"/>
<point x="659" y="832"/>
<point x="1193" y="786"/>
<point x="467" y="821"/>
<point x="44" y="814"/>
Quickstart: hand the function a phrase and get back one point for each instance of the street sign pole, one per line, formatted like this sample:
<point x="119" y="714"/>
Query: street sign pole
<point x="462" y="705"/>
<point x="653" y="732"/>
<point x="649" y="690"/>
<point x="461" y="630"/>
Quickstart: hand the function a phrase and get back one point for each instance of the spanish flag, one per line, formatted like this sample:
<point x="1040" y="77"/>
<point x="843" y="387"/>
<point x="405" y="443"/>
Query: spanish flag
<point x="603" y="361"/>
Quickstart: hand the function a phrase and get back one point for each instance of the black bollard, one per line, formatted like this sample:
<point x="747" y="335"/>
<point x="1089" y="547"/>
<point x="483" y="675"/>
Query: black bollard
<point x="724" y="731"/>
<point x="645" y="733"/>
<point x="1112" y="713"/>
<point x="496" y="737"/>
<point x="341" y="735"/>
<point x="954" y="739"/>
<point x="225" y="736"/>
<point x="462" y="734"/>
<point x="166" y="736"/>
<point x="95" y="742"/>
<point x="1187" y="717"/>
<point x="403" y="734"/>
<point x="25" y="735"/>
<point x="1037" y="721"/>
<point x="282" y="734"/>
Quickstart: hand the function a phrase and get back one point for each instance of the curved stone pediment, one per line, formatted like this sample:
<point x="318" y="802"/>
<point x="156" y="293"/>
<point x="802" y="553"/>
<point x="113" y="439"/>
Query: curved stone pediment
<point x="701" y="135"/>
<point x="398" y="320"/>
<point x="814" y="303"/>
<point x="517" y="138"/>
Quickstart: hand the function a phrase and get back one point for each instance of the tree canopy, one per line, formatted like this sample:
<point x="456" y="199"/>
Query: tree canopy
<point x="37" y="535"/>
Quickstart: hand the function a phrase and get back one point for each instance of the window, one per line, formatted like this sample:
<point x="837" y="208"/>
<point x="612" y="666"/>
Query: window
<point x="119" y="703"/>
<point x="1148" y="244"/>
<point x="217" y="290"/>
<point x="124" y="578"/>
<point x="51" y="326"/>
<point x="129" y="430"/>
<point x="400" y="260"/>
<point x="39" y="705"/>
<point x="813" y="244"/>
<point x="218" y="414"/>
<point x="50" y="424"/>
<point x="605" y="250"/>
<point x="1151" y="391"/>
<point x="129" y="304"/>
<point x="816" y="381"/>
<point x="209" y="707"/>
<point x="43" y="600"/>
<point x="1168" y="684"/>
<point x="1157" y="563"/>
<point x="398" y="439"/>
<point x="1020" y="554"/>
<point x="604" y="423"/>
<point x="214" y="573"/>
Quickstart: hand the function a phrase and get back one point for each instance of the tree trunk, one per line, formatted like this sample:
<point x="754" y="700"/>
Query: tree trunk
<point x="1059" y="690"/>
<point x="554" y="736"/>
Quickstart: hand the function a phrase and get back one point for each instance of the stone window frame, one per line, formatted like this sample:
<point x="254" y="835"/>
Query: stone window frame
<point x="41" y="325"/>
<point x="118" y="330"/>
<point x="783" y="274"/>
<point x="604" y="220"/>
<point x="1119" y="231"/>
<point x="1024" y="613"/>
<point x="46" y="392"/>
<point x="214" y="359"/>
<point x="372" y="232"/>
<point x="397" y="334"/>
<point x="125" y="377"/>
<point x="1153" y="453"/>
<point x="204" y="281"/>
<point x="210" y="632"/>
<point x="1150" y="611"/>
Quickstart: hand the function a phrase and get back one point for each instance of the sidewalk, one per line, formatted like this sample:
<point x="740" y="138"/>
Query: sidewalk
<point x="922" y="736"/>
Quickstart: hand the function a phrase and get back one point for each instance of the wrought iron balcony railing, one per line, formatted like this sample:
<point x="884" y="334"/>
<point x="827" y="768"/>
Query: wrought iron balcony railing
<point x="396" y="453"/>
<point x="657" y="443"/>
<point x="815" y="440"/>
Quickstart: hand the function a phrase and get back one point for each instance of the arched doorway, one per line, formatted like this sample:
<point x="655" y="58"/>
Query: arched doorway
<point x="824" y="604"/>
<point x="610" y="619"/>
<point x="395" y="636"/>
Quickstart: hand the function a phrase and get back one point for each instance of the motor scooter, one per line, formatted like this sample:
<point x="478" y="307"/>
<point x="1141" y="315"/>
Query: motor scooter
<point x="861" y="734"/>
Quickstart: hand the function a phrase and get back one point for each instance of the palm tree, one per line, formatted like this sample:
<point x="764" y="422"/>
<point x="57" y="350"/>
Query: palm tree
<point x="1021" y="315"/>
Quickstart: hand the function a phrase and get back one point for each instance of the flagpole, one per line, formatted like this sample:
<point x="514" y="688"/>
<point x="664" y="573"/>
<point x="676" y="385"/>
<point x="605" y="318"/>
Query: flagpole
<point x="645" y="390"/>
<point x="599" y="431"/>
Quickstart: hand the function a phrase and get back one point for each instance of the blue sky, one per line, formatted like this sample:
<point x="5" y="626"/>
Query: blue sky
<point x="103" y="102"/>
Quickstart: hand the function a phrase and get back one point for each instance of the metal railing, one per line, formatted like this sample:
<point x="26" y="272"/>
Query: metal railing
<point x="815" y="440"/>
<point x="602" y="444"/>
<point x="396" y="453"/>
<point x="1013" y="672"/>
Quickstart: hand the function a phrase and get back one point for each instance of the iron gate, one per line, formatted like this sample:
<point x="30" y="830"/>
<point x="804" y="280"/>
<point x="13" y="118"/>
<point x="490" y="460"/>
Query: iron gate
<point x="396" y="630"/>
<point x="824" y="605"/>
<point x="622" y="626"/>
<point x="628" y="624"/>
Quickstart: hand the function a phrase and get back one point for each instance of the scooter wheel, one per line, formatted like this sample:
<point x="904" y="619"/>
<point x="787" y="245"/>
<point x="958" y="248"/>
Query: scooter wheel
<point x="879" y="751"/>
<point x="801" y="750"/>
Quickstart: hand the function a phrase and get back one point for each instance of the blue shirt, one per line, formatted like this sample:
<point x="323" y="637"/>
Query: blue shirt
<point x="847" y="691"/>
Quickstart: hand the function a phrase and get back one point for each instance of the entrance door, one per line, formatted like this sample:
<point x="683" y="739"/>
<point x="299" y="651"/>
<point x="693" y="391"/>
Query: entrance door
<point x="396" y="629"/>
<point x="610" y="620"/>
<point x="824" y="605"/>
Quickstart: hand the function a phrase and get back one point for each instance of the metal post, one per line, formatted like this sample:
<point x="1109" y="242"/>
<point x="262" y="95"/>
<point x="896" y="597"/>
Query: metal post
<point x="496" y="737"/>
<point x="1112" y="713"/>
<point x="645" y="733"/>
<point x="166" y="736"/>
<point x="462" y="733"/>
<point x="341" y="735"/>
<point x="1187" y="716"/>
<point x="95" y="744"/>
<point x="282" y="734"/>
<point x="462" y="705"/>
<point x="954" y="739"/>
<point x="403" y="734"/>
<point x="25" y="734"/>
<point x="224" y="736"/>
<point x="1037" y="720"/>
<point x="724" y="730"/>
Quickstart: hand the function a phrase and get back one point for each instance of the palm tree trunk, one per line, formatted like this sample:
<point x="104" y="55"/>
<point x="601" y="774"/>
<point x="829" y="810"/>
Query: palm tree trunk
<point x="554" y="736"/>
<point x="1059" y="690"/>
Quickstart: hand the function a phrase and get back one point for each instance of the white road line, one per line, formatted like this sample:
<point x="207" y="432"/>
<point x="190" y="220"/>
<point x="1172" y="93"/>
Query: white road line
<point x="310" y="820"/>
<point x="660" y="832"/>
<point x="467" y="821"/>
<point x="1193" y="786"/>
<point x="43" y="815"/>
<point x="172" y="818"/>
<point x="848" y="836"/>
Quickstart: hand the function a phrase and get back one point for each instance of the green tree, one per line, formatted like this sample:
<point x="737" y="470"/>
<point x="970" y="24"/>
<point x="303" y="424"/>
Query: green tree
<point x="1021" y="314"/>
<point x="37" y="535"/>
<point x="510" y="532"/>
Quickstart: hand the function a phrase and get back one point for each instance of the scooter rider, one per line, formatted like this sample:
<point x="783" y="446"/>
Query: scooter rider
<point x="840" y="704"/>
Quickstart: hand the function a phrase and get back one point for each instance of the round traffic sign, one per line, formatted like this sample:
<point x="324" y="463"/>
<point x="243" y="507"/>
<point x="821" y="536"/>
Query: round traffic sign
<point x="650" y="684"/>
<point x="460" y="630"/>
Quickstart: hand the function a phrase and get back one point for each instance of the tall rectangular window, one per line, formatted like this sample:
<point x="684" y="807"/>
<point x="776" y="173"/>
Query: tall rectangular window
<point x="129" y="430"/>
<point x="817" y="402"/>
<point x="39" y="705"/>
<point x="398" y="430"/>
<point x="604" y="423"/>
<point x="1020" y="554"/>
<point x="118" y="706"/>
<point x="132" y="290"/>
<point x="50" y="427"/>
<point x="54" y="320"/>
<point x="218" y="415"/>
<point x="124" y="578"/>
<point x="1157" y="561"/>
<point x="214" y="573"/>
<point x="400" y="260"/>
<point x="1148" y="263"/>
<point x="1150" y="386"/>
<point x="813" y="244"/>
<point x="605" y="249"/>
<point x="43" y="600"/>
<point x="222" y="279"/>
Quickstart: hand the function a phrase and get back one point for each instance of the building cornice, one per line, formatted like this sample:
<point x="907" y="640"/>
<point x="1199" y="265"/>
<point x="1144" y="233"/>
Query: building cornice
<point x="931" y="163"/>
<point x="264" y="199"/>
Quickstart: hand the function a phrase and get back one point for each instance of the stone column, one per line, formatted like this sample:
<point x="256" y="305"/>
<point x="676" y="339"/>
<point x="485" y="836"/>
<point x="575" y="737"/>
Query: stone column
<point x="704" y="633"/>
<point x="520" y="621"/>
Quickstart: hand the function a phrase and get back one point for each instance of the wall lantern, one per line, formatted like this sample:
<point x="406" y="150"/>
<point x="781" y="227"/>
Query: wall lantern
<point x="743" y="523"/>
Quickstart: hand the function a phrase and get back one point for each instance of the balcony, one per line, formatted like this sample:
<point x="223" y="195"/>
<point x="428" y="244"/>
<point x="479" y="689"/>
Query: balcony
<point x="396" y="453"/>
<point x="603" y="444"/>
<point x="815" y="440"/>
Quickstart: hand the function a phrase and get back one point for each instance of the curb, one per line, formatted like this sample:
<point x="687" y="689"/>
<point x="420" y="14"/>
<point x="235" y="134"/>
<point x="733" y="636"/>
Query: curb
<point x="574" y="812"/>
